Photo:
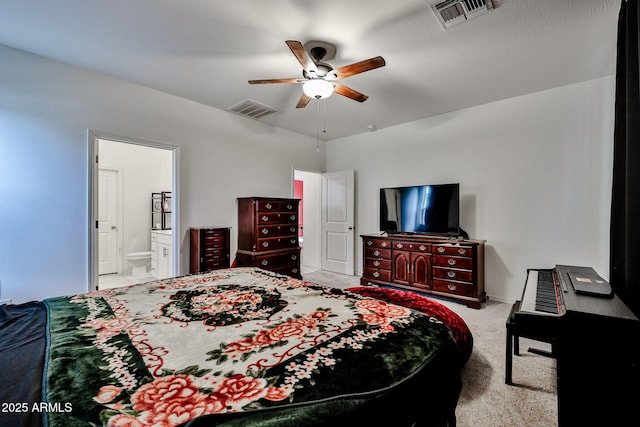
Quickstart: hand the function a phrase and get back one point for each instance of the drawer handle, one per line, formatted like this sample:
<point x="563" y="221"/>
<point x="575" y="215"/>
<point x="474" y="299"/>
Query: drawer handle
<point x="376" y="263"/>
<point x="265" y="231"/>
<point x="264" y="262"/>
<point x="293" y="241"/>
<point x="268" y="206"/>
<point x="292" y="217"/>
<point x="422" y="247"/>
<point x="451" y="261"/>
<point x="295" y="270"/>
<point x="376" y="253"/>
<point x="265" y="244"/>
<point x="400" y="246"/>
<point x="289" y="206"/>
<point x="292" y="229"/>
<point x="265" y="218"/>
<point x="451" y="287"/>
<point x="462" y="251"/>
<point x="440" y="249"/>
<point x="376" y="274"/>
<point x="294" y="257"/>
<point x="369" y="243"/>
<point x="451" y="274"/>
<point x="383" y="244"/>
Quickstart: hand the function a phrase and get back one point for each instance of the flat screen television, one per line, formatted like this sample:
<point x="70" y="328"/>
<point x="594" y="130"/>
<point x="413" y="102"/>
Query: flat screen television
<point x="427" y="209"/>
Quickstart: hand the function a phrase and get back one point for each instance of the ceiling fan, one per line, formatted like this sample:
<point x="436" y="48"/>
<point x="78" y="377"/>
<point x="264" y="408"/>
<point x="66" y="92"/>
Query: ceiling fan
<point x="319" y="78"/>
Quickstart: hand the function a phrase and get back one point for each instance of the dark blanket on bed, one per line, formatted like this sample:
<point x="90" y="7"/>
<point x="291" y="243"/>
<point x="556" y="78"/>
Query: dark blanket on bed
<point x="22" y="351"/>
<point x="232" y="347"/>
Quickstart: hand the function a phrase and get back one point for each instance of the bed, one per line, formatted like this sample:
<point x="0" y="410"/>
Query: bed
<point x="233" y="347"/>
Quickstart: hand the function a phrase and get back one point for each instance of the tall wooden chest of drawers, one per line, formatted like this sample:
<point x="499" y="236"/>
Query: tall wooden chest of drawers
<point x="209" y="249"/>
<point x="441" y="266"/>
<point x="268" y="234"/>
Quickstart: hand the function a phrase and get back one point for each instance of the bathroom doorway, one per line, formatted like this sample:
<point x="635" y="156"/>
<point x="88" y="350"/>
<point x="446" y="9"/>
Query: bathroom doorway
<point x="129" y="245"/>
<point x="307" y="188"/>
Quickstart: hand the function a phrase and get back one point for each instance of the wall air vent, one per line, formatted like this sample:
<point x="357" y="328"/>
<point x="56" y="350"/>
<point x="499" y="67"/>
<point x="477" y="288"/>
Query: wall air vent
<point x="252" y="109"/>
<point x="452" y="12"/>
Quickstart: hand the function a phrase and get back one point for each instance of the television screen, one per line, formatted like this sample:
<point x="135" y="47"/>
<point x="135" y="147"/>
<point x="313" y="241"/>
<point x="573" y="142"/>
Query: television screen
<point x="428" y="209"/>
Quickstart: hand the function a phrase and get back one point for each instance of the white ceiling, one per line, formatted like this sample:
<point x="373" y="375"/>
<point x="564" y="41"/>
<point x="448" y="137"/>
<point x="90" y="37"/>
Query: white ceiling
<point x="206" y="50"/>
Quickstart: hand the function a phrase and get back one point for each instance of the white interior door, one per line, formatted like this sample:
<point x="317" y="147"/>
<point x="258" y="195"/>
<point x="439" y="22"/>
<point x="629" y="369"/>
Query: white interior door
<point x="107" y="221"/>
<point x="338" y="222"/>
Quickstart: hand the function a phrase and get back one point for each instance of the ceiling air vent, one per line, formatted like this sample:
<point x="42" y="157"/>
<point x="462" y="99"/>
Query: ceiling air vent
<point x="252" y="109"/>
<point x="451" y="12"/>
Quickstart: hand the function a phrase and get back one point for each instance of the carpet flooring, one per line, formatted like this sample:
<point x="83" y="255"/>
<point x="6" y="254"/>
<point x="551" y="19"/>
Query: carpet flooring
<point x="485" y="399"/>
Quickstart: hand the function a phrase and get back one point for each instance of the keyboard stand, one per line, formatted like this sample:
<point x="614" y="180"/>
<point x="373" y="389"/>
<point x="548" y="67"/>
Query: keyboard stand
<point x="513" y="342"/>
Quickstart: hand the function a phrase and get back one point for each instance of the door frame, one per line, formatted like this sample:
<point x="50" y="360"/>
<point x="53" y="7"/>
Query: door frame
<point x="92" y="198"/>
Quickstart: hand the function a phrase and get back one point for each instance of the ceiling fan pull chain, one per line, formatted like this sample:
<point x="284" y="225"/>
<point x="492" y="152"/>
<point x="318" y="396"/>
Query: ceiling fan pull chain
<point x="318" y="128"/>
<point x="324" y="117"/>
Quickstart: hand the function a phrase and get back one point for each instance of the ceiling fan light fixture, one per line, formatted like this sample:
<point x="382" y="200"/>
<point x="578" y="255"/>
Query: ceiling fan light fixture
<point x="317" y="88"/>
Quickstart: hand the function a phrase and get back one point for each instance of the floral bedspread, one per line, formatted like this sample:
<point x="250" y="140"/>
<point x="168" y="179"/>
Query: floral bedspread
<point x="230" y="341"/>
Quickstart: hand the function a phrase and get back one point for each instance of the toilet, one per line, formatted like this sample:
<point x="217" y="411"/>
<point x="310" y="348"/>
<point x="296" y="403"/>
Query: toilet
<point x="140" y="262"/>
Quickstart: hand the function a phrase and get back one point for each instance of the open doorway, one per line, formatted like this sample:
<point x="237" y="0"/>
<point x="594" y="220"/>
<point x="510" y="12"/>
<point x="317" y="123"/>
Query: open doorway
<point x="326" y="220"/>
<point x="133" y="212"/>
<point x="307" y="188"/>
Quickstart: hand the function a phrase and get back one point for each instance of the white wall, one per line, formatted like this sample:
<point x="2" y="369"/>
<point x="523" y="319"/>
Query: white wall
<point x="535" y="175"/>
<point x="46" y="109"/>
<point x="535" y="171"/>
<point x="144" y="170"/>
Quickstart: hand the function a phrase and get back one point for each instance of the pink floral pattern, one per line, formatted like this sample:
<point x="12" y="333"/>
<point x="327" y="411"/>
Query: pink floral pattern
<point x="253" y="338"/>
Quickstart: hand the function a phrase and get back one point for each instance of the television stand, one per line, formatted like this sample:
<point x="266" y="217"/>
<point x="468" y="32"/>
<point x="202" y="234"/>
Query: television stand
<point x="436" y="265"/>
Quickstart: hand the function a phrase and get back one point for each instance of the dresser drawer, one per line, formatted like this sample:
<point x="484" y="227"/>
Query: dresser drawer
<point x="277" y="243"/>
<point x="210" y="253"/>
<point x="452" y="287"/>
<point x="453" y="274"/>
<point x="377" y="253"/>
<point x="277" y="260"/>
<point x="276" y="206"/>
<point x="453" y="261"/>
<point x="213" y="233"/>
<point x="384" y="264"/>
<point x="376" y="243"/>
<point x="412" y="246"/>
<point x="277" y="230"/>
<point x="214" y="241"/>
<point x="376" y="274"/>
<point x="265" y="218"/>
<point x="458" y="250"/>
<point x="213" y="264"/>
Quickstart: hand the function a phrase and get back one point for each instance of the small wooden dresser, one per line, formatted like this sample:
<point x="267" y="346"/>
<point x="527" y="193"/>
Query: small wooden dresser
<point x="209" y="249"/>
<point x="268" y="234"/>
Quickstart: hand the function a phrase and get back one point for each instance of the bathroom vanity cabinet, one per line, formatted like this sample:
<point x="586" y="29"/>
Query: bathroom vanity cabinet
<point x="161" y="254"/>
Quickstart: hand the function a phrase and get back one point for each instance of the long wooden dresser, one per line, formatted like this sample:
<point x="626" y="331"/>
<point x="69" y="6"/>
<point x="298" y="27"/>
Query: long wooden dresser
<point x="449" y="267"/>
<point x="268" y="234"/>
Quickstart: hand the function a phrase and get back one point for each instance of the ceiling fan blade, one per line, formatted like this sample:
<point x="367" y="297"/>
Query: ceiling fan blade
<point x="349" y="93"/>
<point x="269" y="81"/>
<point x="303" y="57"/>
<point x="304" y="100"/>
<point x="359" y="67"/>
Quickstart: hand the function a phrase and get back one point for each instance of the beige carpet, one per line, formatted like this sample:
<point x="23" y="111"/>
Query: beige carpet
<point x="485" y="399"/>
